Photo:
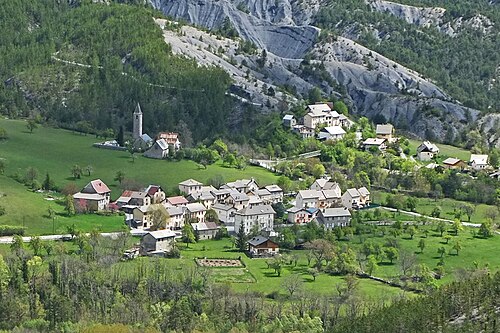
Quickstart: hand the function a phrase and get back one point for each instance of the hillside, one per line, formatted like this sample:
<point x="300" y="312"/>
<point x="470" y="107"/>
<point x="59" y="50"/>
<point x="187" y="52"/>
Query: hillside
<point x="43" y="150"/>
<point x="401" y="68"/>
<point x="93" y="62"/>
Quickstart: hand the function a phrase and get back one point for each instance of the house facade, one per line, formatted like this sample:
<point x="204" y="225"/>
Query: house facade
<point x="205" y="230"/>
<point x="479" y="162"/>
<point x="356" y="198"/>
<point x="225" y="213"/>
<point x="385" y="131"/>
<point x="190" y="186"/>
<point x="427" y="151"/>
<point x="160" y="241"/>
<point x="95" y="196"/>
<point x="262" y="246"/>
<point x="301" y="215"/>
<point x="259" y="217"/>
<point x="334" y="217"/>
<point x="196" y="211"/>
<point x="158" y="150"/>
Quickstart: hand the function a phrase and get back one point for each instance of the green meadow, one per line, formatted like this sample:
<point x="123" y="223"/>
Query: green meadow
<point x="55" y="151"/>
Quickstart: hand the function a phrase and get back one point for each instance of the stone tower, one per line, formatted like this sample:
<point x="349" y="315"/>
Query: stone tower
<point x="137" y="122"/>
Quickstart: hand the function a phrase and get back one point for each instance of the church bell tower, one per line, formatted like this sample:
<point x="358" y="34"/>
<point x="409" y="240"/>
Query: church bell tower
<point x="137" y="122"/>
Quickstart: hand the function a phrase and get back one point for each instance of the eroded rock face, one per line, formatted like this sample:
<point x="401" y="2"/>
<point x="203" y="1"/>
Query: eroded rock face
<point x="374" y="84"/>
<point x="269" y="26"/>
<point x="422" y="16"/>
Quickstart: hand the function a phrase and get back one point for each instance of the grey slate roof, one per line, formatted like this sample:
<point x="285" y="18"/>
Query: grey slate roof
<point x="384" y="129"/>
<point x="336" y="212"/>
<point x="256" y="210"/>
<point x="160" y="234"/>
<point x="257" y="240"/>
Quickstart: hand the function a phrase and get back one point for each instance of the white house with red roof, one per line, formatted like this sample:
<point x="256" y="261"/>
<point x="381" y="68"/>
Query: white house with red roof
<point x="171" y="138"/>
<point x="93" y="197"/>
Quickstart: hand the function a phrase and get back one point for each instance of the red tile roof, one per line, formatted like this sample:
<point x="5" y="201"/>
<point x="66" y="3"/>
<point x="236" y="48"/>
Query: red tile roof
<point x="177" y="200"/>
<point x="99" y="186"/>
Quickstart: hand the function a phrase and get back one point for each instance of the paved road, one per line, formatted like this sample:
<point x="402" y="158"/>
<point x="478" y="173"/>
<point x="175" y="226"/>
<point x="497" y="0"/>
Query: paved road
<point x="466" y="224"/>
<point x="9" y="239"/>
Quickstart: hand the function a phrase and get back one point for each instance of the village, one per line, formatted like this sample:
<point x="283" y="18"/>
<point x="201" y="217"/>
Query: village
<point x="242" y="206"/>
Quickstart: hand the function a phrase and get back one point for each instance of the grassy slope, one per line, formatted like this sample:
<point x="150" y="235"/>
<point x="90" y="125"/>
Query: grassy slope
<point x="56" y="151"/>
<point x="444" y="150"/>
<point x="267" y="281"/>
<point x="426" y="205"/>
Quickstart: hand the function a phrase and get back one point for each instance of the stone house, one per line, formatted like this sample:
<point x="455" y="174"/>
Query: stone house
<point x="95" y="196"/>
<point x="158" y="150"/>
<point x="479" y="162"/>
<point x="454" y="163"/>
<point x="385" y="131"/>
<point x="237" y="199"/>
<point x="195" y="210"/>
<point x="334" y="217"/>
<point x="427" y="151"/>
<point x="331" y="133"/>
<point x="225" y="213"/>
<point x="356" y="198"/>
<point x="157" y="242"/>
<point x="190" y="186"/>
<point x="298" y="215"/>
<point x="260" y="217"/>
<point x="289" y="121"/>
<point x="205" y="230"/>
<point x="176" y="217"/>
<point x="171" y="138"/>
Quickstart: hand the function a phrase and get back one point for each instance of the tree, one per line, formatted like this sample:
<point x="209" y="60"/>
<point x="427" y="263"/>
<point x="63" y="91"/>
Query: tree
<point x="69" y="205"/>
<point x="4" y="276"/>
<point x="241" y="239"/>
<point x="339" y="233"/>
<point x="120" y="137"/>
<point x="211" y="216"/>
<point x="411" y="203"/>
<point x="486" y="229"/>
<point x="441" y="251"/>
<point x="457" y="246"/>
<point x="31" y="125"/>
<point x="320" y="249"/>
<point x="447" y="238"/>
<point x="441" y="227"/>
<point x="216" y="181"/>
<point x="314" y="95"/>
<point x="371" y="264"/>
<point x="407" y="261"/>
<point x="30" y="176"/>
<point x="457" y="226"/>
<point x="340" y="107"/>
<point x="159" y="218"/>
<point x="411" y="231"/>
<point x="468" y="209"/>
<point x="188" y="234"/>
<point x="277" y="264"/>
<point x="229" y="160"/>
<point x="76" y="171"/>
<point x="2" y="166"/>
<point x="391" y="253"/>
<point x="313" y="272"/>
<point x="318" y="170"/>
<point x="119" y="176"/>
<point x="292" y="283"/>
<point x="36" y="245"/>
<point x="48" y="183"/>
<point x="220" y="146"/>
<point x="89" y="169"/>
<point x="69" y="189"/>
<point x="17" y="245"/>
<point x="436" y="212"/>
<point x="284" y="183"/>
<point x="3" y="134"/>
<point x="421" y="245"/>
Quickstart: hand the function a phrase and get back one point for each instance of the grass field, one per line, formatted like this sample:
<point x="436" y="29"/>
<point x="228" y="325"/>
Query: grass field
<point x="266" y="281"/>
<point x="55" y="151"/>
<point x="426" y="205"/>
<point x="444" y="150"/>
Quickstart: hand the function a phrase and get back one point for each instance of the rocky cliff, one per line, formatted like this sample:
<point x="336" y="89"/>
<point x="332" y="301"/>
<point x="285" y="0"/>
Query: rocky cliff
<point x="375" y="85"/>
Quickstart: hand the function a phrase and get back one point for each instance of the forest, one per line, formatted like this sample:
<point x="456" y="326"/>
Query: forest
<point x="463" y="65"/>
<point x="94" y="62"/>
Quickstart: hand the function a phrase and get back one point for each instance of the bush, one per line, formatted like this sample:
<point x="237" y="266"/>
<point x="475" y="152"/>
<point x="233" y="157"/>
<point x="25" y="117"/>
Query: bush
<point x="10" y="230"/>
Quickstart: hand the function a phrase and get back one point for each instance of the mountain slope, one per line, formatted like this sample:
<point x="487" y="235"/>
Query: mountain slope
<point x="376" y="86"/>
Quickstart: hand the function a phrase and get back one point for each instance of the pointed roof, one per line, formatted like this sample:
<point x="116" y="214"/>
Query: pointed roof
<point x="138" y="109"/>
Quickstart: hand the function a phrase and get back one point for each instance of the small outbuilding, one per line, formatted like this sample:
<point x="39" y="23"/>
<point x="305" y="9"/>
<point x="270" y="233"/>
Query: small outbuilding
<point x="261" y="246"/>
<point x="427" y="151"/>
<point x="157" y="242"/>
